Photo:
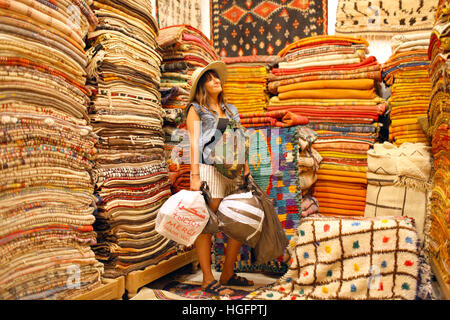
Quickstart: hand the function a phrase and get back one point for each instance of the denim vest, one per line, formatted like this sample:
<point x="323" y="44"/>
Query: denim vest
<point x="208" y="124"/>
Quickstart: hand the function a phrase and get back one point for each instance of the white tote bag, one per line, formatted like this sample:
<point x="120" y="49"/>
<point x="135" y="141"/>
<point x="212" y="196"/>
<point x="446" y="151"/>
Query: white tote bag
<point x="183" y="217"/>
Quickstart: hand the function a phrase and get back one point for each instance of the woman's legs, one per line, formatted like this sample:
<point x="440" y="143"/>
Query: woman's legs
<point x="203" y="246"/>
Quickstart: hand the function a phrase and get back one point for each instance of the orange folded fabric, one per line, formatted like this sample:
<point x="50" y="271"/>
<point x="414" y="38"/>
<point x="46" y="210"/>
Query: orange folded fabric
<point x="342" y="201"/>
<point x="341" y="191"/>
<point x="341" y="206"/>
<point x="328" y="94"/>
<point x="334" y="184"/>
<point x="340" y="178"/>
<point x="353" y="174"/>
<point x="355" y="84"/>
<point x="344" y="212"/>
<point x="320" y="39"/>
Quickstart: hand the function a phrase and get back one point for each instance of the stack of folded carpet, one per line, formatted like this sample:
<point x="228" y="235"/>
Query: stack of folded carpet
<point x="246" y="85"/>
<point x="47" y="151"/>
<point x="177" y="149"/>
<point x="183" y="49"/>
<point x="406" y="71"/>
<point x="131" y="173"/>
<point x="330" y="80"/>
<point x="399" y="182"/>
<point x="438" y="131"/>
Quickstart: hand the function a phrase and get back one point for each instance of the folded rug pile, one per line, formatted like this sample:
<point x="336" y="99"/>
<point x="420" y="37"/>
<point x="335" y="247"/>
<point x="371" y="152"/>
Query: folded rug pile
<point x="47" y="152"/>
<point x="183" y="49"/>
<point x="438" y="127"/>
<point x="246" y="85"/>
<point x="406" y="71"/>
<point x="331" y="81"/>
<point x="131" y="173"/>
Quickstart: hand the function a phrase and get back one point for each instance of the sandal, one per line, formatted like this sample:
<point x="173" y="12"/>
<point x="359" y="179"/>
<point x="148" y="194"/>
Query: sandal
<point x="215" y="288"/>
<point x="236" y="280"/>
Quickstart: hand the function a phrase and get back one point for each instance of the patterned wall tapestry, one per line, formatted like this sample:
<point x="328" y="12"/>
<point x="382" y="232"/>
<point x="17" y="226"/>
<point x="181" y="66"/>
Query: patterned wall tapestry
<point x="260" y="27"/>
<point x="175" y="12"/>
<point x="381" y="19"/>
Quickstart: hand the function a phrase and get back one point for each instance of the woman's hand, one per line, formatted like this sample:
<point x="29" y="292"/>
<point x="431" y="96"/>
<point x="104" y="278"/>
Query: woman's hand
<point x="196" y="182"/>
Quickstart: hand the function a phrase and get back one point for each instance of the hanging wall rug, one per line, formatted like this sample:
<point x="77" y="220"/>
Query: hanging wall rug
<point x="244" y="28"/>
<point x="380" y="19"/>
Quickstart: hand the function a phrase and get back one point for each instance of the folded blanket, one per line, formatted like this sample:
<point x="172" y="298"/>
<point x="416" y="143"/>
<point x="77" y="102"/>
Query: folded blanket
<point x="359" y="84"/>
<point x="322" y="40"/>
<point x="328" y="94"/>
<point x="272" y="118"/>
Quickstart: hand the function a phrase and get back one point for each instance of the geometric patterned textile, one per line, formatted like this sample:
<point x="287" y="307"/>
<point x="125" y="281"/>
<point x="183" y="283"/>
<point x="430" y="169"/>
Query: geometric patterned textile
<point x="273" y="165"/>
<point x="175" y="12"/>
<point x="383" y="19"/>
<point x="351" y="259"/>
<point x="261" y="27"/>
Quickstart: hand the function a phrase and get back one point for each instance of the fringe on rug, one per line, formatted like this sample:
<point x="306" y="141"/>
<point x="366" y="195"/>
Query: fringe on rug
<point x="413" y="183"/>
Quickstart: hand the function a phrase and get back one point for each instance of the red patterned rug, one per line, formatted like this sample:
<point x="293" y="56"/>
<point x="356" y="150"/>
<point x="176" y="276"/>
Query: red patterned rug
<point x="261" y="27"/>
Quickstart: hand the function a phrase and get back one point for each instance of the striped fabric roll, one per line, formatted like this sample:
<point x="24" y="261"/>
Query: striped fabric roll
<point x="241" y="217"/>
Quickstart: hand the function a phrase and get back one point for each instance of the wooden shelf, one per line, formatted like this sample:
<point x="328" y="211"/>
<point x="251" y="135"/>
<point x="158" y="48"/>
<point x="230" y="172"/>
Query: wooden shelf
<point x="111" y="289"/>
<point x="445" y="288"/>
<point x="139" y="278"/>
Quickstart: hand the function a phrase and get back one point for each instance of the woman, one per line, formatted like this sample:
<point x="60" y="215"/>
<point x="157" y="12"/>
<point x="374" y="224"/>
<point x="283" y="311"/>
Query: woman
<point x="207" y="118"/>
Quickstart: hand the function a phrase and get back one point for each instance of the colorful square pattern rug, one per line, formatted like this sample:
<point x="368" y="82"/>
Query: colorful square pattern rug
<point x="350" y="258"/>
<point x="274" y="168"/>
<point x="260" y="27"/>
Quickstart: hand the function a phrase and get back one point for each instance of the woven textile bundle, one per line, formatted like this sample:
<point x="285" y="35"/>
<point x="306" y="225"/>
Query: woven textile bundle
<point x="47" y="152"/>
<point x="331" y="81"/>
<point x="437" y="129"/>
<point x="406" y="72"/>
<point x="131" y="173"/>
<point x="183" y="49"/>
<point x="351" y="259"/>
<point x="399" y="182"/>
<point x="246" y="85"/>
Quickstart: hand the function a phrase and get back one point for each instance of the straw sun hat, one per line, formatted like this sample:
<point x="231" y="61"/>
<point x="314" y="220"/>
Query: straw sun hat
<point x="218" y="66"/>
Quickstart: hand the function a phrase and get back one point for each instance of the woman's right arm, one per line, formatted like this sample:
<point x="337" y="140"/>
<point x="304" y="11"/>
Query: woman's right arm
<point x="193" y="126"/>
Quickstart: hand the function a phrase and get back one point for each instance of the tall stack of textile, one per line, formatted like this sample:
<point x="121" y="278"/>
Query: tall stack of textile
<point x="438" y="131"/>
<point x="406" y="71"/>
<point x="331" y="81"/>
<point x="47" y="151"/>
<point x="183" y="49"/>
<point x="246" y="85"/>
<point x="131" y="173"/>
